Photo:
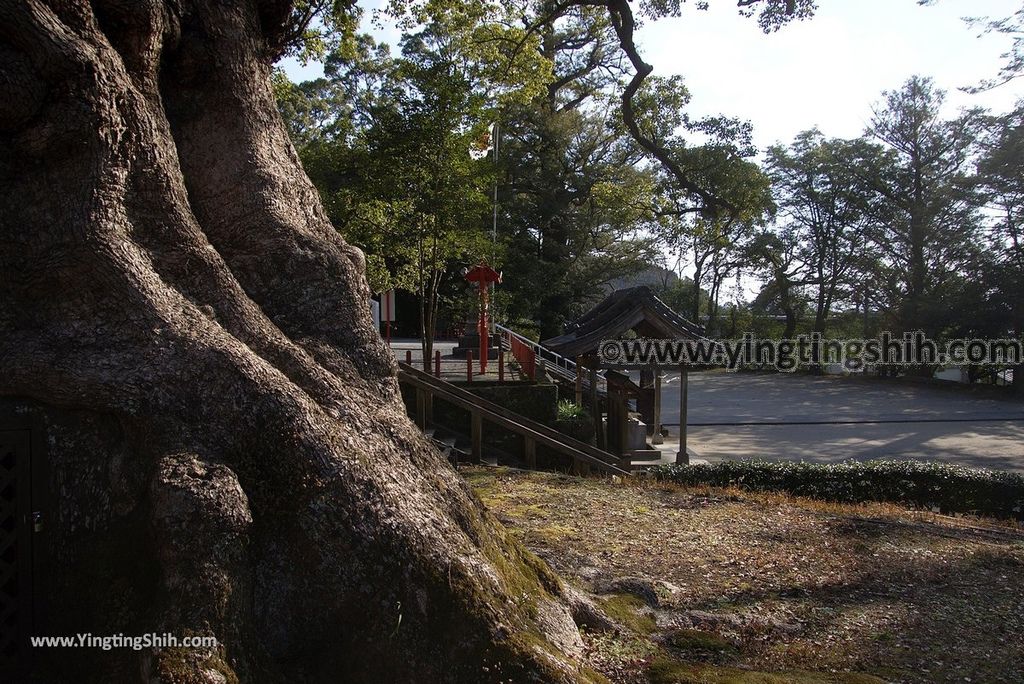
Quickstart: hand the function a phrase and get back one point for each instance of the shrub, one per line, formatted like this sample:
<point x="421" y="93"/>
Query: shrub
<point x="568" y="410"/>
<point x="948" y="487"/>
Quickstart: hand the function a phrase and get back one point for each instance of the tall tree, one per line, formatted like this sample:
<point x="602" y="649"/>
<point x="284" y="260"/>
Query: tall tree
<point x="772" y="254"/>
<point x="925" y="218"/>
<point x="574" y="198"/>
<point x="224" y="427"/>
<point x="820" y="201"/>
<point x="1001" y="174"/>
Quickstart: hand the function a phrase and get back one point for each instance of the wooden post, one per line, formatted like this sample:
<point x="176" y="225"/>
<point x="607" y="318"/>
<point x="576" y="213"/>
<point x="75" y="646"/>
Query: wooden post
<point x="476" y="437"/>
<point x="657" y="438"/>
<point x="408" y="357"/>
<point x="469" y="366"/>
<point x="482" y="328"/>
<point x="421" y="409"/>
<point x="683" y="456"/>
<point x="579" y="383"/>
<point x="501" y="363"/>
<point x="437" y="363"/>
<point x="595" y="409"/>
<point x="530" y="452"/>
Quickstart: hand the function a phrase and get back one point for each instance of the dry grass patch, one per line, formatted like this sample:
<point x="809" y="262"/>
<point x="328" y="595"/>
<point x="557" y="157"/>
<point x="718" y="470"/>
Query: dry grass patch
<point x="791" y="585"/>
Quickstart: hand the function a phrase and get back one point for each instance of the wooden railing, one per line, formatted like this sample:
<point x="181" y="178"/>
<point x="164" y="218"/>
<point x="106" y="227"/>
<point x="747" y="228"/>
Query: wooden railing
<point x="522" y="352"/>
<point x="553" y="362"/>
<point x="584" y="456"/>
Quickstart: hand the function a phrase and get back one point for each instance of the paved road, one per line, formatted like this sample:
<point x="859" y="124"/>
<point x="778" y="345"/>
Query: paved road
<point x="789" y="416"/>
<point x="832" y="419"/>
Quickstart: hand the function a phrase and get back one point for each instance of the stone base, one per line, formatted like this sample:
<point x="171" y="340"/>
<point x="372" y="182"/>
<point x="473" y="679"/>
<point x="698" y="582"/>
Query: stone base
<point x="470" y="342"/>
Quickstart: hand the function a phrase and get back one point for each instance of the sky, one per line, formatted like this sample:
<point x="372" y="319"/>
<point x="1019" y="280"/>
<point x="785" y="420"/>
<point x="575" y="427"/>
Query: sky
<point x="825" y="72"/>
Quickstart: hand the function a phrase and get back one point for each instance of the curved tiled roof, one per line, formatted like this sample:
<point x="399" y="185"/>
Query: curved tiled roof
<point x="622" y="310"/>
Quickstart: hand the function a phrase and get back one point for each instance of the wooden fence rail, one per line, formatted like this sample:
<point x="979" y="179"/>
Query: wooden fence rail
<point x="584" y="456"/>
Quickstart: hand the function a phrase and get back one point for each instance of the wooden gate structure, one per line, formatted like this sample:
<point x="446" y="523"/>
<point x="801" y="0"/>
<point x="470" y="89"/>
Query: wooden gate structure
<point x="639" y="310"/>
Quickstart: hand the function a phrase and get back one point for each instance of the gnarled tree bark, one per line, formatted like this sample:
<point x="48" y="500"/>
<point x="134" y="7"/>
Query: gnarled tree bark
<point x="227" y="446"/>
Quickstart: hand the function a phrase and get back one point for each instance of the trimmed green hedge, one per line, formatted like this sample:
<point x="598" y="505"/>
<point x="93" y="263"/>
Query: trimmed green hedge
<point x="950" y="488"/>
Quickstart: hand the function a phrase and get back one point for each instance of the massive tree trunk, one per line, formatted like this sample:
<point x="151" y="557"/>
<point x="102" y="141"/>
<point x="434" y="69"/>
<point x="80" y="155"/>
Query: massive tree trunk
<point x="228" y="453"/>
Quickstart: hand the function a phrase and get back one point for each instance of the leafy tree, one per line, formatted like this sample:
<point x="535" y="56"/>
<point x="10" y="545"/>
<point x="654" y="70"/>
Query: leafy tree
<point x="1001" y="175"/>
<point x="773" y="255"/>
<point x="924" y="208"/>
<point x="387" y="141"/>
<point x="421" y="161"/>
<point x="575" y="200"/>
<point x="715" y="241"/>
<point x="824" y="211"/>
<point x="572" y="218"/>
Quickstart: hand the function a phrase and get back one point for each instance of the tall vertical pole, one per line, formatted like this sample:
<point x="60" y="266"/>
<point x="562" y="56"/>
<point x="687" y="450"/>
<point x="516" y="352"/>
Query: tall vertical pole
<point x="484" y="334"/>
<point x="656" y="437"/>
<point x="494" y="227"/>
<point x="683" y="456"/>
<point x="866" y="313"/>
<point x="494" y="223"/>
<point x="579" y="383"/>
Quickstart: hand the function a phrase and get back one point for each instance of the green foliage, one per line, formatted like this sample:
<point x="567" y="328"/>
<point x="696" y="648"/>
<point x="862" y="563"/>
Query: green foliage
<point x="893" y="221"/>
<point x="569" y="410"/>
<point x="814" y="252"/>
<point x="925" y="212"/>
<point x="949" y="487"/>
<point x="318" y="27"/>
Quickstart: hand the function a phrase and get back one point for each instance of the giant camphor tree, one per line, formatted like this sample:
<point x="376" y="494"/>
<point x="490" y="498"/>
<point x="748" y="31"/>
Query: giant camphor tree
<point x="228" y="454"/>
<point x="231" y="453"/>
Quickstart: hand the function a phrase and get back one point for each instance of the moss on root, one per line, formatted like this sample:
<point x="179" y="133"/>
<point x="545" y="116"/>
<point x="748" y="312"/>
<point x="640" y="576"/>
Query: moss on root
<point x="697" y="640"/>
<point x="630" y="612"/>
<point x="519" y="649"/>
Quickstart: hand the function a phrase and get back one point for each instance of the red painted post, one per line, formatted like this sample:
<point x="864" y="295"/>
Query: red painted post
<point x="469" y="366"/>
<point x="501" y="363"/>
<point x="408" y="357"/>
<point x="485" y="339"/>
<point x="437" y="363"/>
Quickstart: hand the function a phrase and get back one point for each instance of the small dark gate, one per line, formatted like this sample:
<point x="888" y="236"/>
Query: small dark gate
<point x="15" y="548"/>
